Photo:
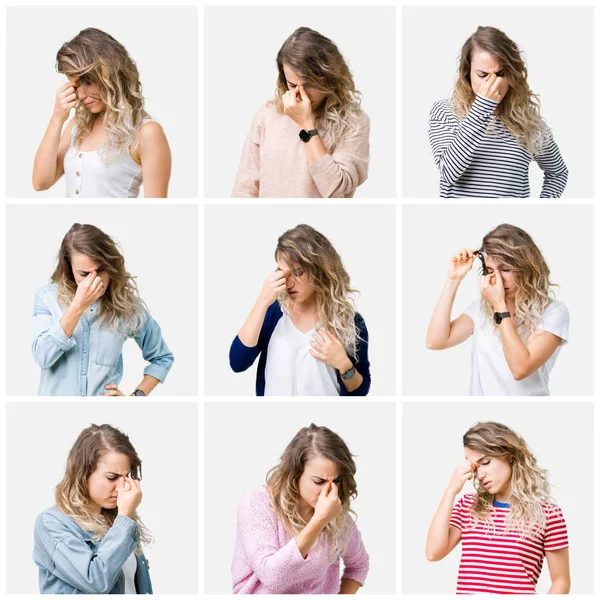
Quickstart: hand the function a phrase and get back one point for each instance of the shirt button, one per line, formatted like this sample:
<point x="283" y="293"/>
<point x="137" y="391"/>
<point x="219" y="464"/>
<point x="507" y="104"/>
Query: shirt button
<point x="84" y="351"/>
<point x="85" y="330"/>
<point x="83" y="373"/>
<point x="78" y="174"/>
<point x="82" y="394"/>
<point x="80" y="155"/>
<point x="77" y="192"/>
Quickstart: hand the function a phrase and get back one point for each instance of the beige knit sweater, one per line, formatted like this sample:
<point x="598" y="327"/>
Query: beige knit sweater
<point x="274" y="163"/>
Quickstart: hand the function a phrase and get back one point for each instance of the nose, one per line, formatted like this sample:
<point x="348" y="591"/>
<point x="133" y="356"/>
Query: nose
<point x="81" y="95"/>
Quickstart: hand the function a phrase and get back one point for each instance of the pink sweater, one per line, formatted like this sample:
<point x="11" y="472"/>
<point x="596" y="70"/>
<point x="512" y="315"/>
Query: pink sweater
<point x="266" y="559"/>
<point x="274" y="163"/>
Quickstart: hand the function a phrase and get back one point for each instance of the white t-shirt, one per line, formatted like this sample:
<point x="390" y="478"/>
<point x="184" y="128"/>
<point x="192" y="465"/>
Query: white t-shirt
<point x="129" y="570"/>
<point x="290" y="370"/>
<point x="490" y="373"/>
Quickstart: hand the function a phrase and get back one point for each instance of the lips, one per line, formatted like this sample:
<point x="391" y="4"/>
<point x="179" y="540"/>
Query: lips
<point x="487" y="485"/>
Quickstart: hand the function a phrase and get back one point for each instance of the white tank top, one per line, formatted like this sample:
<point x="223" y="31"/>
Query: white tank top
<point x="291" y="370"/>
<point x="87" y="176"/>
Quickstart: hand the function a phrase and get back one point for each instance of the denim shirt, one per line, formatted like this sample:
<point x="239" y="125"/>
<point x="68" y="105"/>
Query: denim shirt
<point x="70" y="562"/>
<point x="93" y="356"/>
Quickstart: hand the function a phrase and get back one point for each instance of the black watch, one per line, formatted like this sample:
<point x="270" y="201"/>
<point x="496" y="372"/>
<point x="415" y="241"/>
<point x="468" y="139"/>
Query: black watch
<point x="349" y="374"/>
<point x="139" y="393"/>
<point x="306" y="135"/>
<point x="499" y="316"/>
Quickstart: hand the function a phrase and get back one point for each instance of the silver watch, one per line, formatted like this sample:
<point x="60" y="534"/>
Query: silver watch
<point x="349" y="374"/>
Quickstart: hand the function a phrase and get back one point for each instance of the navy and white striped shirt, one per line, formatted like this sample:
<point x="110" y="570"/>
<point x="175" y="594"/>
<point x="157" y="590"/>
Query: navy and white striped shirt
<point x="479" y="159"/>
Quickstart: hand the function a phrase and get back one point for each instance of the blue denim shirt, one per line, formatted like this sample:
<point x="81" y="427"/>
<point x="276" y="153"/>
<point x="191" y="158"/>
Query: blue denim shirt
<point x="70" y="562"/>
<point x="93" y="356"/>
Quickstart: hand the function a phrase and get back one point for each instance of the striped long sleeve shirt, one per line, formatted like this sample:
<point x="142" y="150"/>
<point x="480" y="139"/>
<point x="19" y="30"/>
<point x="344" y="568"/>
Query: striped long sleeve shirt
<point x="480" y="158"/>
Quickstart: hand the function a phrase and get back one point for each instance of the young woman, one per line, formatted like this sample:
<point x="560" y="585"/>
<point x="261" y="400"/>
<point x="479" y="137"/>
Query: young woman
<point x="312" y="139"/>
<point x="310" y="339"/>
<point x="91" y="541"/>
<point x="508" y="525"/>
<point x="112" y="145"/>
<point x="484" y="138"/>
<point x="517" y="329"/>
<point x="82" y="319"/>
<point x="292" y="533"/>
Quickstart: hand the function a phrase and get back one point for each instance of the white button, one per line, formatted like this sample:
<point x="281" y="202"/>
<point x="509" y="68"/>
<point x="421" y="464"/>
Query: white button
<point x="80" y="155"/>
<point x="78" y="174"/>
<point x="77" y="191"/>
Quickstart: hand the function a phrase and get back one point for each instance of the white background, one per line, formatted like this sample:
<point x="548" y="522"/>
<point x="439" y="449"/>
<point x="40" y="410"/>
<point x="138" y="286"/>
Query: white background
<point x="240" y="451"/>
<point x="432" y="235"/>
<point x="558" y="49"/>
<point x="164" y="259"/>
<point x="37" y="458"/>
<point x="163" y="43"/>
<point x="432" y="449"/>
<point x="241" y="46"/>
<point x="240" y="243"/>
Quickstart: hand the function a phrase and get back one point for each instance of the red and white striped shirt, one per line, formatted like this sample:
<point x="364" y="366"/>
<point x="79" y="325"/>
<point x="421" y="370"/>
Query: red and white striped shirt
<point x="494" y="561"/>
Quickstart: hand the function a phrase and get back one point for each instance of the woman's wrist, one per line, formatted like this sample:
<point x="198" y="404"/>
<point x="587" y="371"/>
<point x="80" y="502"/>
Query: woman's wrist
<point x="307" y="124"/>
<point x="344" y="365"/>
<point x="500" y="306"/>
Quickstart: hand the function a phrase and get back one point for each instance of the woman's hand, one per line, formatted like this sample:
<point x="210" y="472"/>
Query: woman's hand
<point x="66" y="99"/>
<point x="297" y="106"/>
<point x="113" y="390"/>
<point x="129" y="496"/>
<point x="490" y="88"/>
<point x="328" y="348"/>
<point x="88" y="291"/>
<point x="462" y="473"/>
<point x="492" y="290"/>
<point x="461" y="263"/>
<point x="273" y="287"/>
<point x="329" y="506"/>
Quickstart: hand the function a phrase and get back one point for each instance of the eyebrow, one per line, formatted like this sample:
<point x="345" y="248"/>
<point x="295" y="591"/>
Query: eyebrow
<point x="113" y="473"/>
<point x="291" y="83"/>
<point x="324" y="478"/>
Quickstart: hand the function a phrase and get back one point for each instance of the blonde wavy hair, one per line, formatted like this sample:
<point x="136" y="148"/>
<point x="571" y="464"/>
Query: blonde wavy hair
<point x="96" y="58"/>
<point x="530" y="488"/>
<point x="306" y="250"/>
<point x="72" y="493"/>
<point x="120" y="306"/>
<point x="513" y="248"/>
<point x="283" y="482"/>
<point x="317" y="60"/>
<point x="519" y="110"/>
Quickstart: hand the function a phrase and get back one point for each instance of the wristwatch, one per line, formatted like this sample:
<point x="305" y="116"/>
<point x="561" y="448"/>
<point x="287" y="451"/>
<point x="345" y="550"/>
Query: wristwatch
<point x="349" y="374"/>
<point x="139" y="393"/>
<point x="498" y="316"/>
<point x="306" y="135"/>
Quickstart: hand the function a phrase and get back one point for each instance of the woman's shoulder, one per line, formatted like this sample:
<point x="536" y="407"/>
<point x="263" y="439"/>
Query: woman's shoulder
<point x="555" y="307"/>
<point x="442" y="109"/>
<point x="359" y="321"/>
<point x="53" y="520"/>
<point x="466" y="501"/>
<point x="50" y="289"/>
<point x="255" y="500"/>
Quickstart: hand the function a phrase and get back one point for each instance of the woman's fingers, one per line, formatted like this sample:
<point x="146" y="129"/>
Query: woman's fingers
<point x="316" y="354"/>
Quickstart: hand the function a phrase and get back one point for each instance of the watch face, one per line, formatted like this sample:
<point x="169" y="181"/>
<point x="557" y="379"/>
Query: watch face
<point x="139" y="393"/>
<point x="304" y="135"/>
<point x="497" y="318"/>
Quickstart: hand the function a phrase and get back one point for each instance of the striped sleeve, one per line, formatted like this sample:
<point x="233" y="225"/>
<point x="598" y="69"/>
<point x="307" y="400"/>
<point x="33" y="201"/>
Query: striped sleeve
<point x="454" y="144"/>
<point x="555" y="536"/>
<point x="456" y="516"/>
<point x="555" y="170"/>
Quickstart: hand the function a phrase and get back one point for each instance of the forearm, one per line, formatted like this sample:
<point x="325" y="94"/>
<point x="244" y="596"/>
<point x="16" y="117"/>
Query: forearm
<point x="454" y="159"/>
<point x="516" y="353"/>
<point x="250" y="331"/>
<point x="315" y="150"/>
<point x="45" y="163"/>
<point x="560" y="585"/>
<point x="147" y="385"/>
<point x="349" y="586"/>
<point x="438" y="534"/>
<point x="438" y="331"/>
<point x="307" y="538"/>
<point x="70" y="319"/>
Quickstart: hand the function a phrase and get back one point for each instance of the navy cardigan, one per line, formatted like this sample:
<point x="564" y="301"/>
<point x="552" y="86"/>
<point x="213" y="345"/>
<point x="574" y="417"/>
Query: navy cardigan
<point x="242" y="357"/>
